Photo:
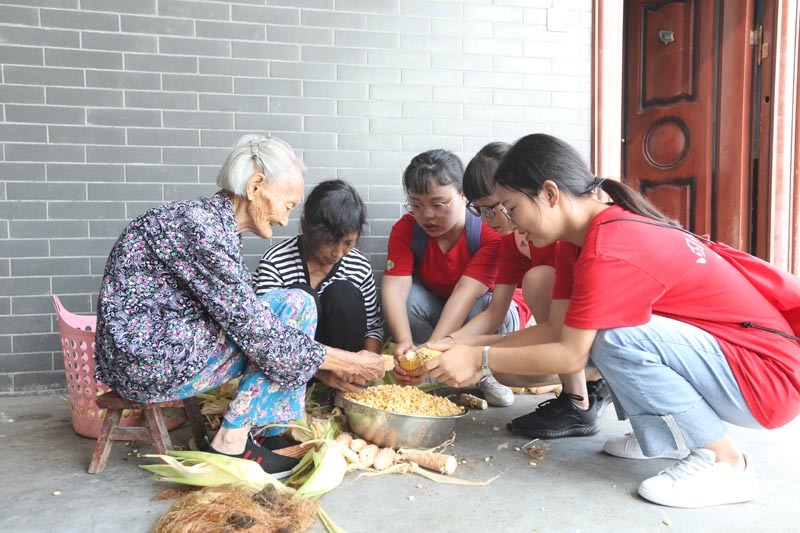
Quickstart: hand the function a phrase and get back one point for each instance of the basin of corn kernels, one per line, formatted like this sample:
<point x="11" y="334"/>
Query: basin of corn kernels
<point x="405" y="400"/>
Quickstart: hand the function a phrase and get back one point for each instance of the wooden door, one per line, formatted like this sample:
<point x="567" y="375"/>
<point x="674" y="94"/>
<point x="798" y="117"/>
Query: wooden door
<point x="688" y="72"/>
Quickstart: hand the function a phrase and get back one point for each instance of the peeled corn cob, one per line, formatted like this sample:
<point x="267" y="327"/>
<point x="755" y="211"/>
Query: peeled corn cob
<point x="367" y="454"/>
<point x="473" y="402"/>
<point x="357" y="444"/>
<point x="438" y="462"/>
<point x="415" y="359"/>
<point x="384" y="459"/>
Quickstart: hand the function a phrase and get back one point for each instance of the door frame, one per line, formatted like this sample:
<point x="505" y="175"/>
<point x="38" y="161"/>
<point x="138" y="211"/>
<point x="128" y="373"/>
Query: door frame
<point x="734" y="131"/>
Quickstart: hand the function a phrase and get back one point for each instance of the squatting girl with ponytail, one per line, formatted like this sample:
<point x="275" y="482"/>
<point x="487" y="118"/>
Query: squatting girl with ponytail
<point x="657" y="312"/>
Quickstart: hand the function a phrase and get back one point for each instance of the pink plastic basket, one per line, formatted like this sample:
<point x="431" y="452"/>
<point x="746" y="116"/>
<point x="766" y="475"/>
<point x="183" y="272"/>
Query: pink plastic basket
<point x="77" y="345"/>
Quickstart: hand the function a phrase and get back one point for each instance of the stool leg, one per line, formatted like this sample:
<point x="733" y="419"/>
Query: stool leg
<point x="104" y="441"/>
<point x="155" y="424"/>
<point x="195" y="418"/>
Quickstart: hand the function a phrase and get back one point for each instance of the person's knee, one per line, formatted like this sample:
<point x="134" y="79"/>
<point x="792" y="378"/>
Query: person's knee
<point x="298" y="297"/>
<point x="341" y="293"/>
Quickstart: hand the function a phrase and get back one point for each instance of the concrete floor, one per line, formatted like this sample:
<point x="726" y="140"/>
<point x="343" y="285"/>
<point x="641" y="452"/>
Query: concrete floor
<point x="575" y="487"/>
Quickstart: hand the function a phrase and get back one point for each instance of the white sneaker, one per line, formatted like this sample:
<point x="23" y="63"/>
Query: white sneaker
<point x="700" y="481"/>
<point x="628" y="447"/>
<point x="495" y="393"/>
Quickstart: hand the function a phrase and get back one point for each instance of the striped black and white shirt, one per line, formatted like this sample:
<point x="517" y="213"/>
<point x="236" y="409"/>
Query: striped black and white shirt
<point x="283" y="266"/>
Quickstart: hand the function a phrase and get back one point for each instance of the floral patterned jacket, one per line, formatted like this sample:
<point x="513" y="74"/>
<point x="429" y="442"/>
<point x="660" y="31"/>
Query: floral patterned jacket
<point x="174" y="281"/>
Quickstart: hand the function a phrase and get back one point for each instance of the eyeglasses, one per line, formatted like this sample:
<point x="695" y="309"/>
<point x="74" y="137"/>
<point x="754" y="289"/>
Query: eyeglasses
<point x="485" y="211"/>
<point x="506" y="213"/>
<point x="438" y="209"/>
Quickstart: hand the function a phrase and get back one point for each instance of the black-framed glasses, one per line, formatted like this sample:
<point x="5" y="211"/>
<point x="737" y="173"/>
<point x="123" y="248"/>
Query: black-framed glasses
<point x="485" y="211"/>
<point x="438" y="209"/>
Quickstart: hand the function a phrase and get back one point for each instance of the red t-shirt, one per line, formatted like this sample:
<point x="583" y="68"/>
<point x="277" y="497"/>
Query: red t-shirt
<point x="627" y="271"/>
<point x="440" y="271"/>
<point x="514" y="264"/>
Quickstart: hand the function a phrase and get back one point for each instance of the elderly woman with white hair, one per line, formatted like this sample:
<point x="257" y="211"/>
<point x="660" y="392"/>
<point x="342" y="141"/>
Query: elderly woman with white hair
<point x="178" y="316"/>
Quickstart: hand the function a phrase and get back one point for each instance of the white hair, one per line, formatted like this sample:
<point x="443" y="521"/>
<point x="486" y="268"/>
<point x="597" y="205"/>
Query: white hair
<point x="252" y="153"/>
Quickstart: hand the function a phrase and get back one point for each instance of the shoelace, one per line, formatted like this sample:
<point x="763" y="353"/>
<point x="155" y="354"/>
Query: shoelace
<point x="557" y="404"/>
<point x="687" y="467"/>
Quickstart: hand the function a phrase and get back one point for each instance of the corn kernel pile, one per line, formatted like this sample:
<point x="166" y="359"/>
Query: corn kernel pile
<point x="404" y="400"/>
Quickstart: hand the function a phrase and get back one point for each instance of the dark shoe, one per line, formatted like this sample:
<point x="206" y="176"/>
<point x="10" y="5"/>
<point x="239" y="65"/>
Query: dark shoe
<point x="558" y="418"/>
<point x="279" y="466"/>
<point x="275" y="442"/>
<point x="602" y="394"/>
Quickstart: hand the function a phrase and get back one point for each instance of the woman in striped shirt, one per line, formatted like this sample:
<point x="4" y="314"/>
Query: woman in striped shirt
<point x="323" y="260"/>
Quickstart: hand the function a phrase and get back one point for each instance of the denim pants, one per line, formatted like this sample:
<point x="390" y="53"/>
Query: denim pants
<point x="673" y="382"/>
<point x="425" y="307"/>
<point x="257" y="401"/>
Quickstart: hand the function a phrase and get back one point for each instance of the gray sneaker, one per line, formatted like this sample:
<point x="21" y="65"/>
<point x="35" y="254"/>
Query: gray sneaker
<point x="495" y="393"/>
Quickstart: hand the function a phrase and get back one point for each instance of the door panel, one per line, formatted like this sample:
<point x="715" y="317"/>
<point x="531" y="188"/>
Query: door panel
<point x="670" y="111"/>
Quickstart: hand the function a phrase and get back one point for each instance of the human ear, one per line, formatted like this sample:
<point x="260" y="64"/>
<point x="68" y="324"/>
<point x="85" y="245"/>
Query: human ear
<point x="551" y="190"/>
<point x="254" y="184"/>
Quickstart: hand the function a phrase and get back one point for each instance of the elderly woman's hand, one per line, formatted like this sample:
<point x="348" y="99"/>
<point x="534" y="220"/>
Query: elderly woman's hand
<point x="342" y="381"/>
<point x="369" y="365"/>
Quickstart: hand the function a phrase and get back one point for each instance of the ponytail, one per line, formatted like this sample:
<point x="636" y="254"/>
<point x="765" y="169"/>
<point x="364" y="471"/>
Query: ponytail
<point x="538" y="157"/>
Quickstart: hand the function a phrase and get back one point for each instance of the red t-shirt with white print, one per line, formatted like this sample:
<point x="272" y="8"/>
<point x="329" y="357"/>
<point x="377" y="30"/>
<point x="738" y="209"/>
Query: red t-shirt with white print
<point x="627" y="271"/>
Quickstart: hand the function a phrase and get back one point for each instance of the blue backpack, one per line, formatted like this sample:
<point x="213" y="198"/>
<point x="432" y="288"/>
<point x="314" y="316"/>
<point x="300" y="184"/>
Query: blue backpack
<point x="419" y="239"/>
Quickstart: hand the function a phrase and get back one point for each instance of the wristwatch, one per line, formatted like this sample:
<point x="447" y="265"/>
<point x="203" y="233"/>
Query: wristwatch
<point x="485" y="364"/>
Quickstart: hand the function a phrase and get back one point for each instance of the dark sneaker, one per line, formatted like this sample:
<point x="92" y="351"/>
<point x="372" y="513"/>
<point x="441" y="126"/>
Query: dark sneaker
<point x="558" y="418"/>
<point x="602" y="394"/>
<point x="279" y="466"/>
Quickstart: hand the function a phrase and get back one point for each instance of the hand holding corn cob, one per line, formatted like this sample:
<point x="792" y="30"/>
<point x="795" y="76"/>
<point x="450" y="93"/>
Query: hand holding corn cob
<point x="457" y="366"/>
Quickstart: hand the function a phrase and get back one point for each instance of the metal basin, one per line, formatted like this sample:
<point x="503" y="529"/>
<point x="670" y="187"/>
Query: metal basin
<point x="395" y="430"/>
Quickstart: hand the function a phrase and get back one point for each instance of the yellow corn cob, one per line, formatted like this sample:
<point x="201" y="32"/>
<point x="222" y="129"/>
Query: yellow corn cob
<point x="414" y="360"/>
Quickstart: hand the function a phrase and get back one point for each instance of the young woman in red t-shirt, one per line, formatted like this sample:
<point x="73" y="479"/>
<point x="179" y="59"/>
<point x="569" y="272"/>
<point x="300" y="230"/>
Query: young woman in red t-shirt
<point x="660" y="314"/>
<point x="450" y="283"/>
<point x="577" y="411"/>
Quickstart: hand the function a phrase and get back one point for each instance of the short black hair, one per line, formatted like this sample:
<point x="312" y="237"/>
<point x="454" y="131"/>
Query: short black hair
<point x="434" y="167"/>
<point x="332" y="210"/>
<point x="479" y="174"/>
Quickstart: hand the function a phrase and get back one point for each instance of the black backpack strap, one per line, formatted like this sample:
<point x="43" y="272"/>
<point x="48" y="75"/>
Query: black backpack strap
<point x="473" y="232"/>
<point x="419" y="241"/>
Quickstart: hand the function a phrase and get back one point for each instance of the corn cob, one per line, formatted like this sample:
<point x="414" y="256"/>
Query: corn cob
<point x="438" y="462"/>
<point x="473" y="402"/>
<point x="367" y="454"/>
<point x="344" y="438"/>
<point x="415" y="359"/>
<point x="384" y="459"/>
<point x="357" y="444"/>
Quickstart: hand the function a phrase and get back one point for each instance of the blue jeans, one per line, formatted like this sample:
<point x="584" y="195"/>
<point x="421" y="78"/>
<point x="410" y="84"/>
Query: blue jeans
<point x="425" y="307"/>
<point x="673" y="382"/>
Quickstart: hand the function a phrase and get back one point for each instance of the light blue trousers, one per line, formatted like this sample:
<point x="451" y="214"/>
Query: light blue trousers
<point x="425" y="307"/>
<point x="673" y="382"/>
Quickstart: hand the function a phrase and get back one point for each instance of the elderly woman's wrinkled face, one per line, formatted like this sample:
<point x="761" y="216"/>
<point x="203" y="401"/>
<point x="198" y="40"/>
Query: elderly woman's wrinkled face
<point x="271" y="203"/>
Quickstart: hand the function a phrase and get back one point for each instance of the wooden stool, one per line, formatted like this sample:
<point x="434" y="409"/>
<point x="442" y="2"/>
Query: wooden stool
<point x="154" y="429"/>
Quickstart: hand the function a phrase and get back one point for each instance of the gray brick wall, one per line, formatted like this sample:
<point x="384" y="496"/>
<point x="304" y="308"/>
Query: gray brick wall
<point x="109" y="107"/>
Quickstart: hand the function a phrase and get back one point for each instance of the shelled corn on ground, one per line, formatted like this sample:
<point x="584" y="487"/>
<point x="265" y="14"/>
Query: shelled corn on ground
<point x="573" y="487"/>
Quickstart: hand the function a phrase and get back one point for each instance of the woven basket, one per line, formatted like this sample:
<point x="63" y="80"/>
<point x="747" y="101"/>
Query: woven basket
<point x="77" y="344"/>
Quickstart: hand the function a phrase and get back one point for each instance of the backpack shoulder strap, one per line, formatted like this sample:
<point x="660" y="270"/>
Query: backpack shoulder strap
<point x="419" y="241"/>
<point x="473" y="230"/>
